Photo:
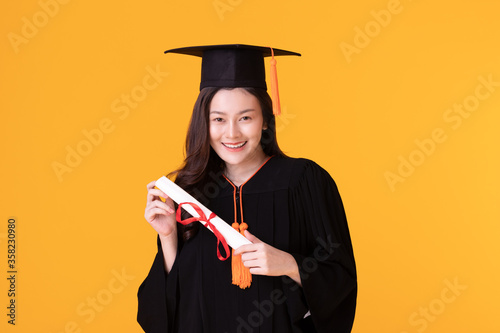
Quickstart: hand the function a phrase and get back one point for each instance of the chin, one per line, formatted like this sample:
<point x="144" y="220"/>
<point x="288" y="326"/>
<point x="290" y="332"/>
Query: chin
<point x="232" y="160"/>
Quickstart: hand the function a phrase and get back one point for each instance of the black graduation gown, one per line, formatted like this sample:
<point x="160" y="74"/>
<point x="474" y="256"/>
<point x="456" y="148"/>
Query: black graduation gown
<point x="291" y="204"/>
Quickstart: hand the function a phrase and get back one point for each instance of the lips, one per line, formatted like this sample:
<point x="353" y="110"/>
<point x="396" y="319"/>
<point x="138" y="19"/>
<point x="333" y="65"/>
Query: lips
<point x="234" y="145"/>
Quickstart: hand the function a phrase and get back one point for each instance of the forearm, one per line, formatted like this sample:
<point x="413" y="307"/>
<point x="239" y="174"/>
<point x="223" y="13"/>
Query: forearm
<point x="169" y="247"/>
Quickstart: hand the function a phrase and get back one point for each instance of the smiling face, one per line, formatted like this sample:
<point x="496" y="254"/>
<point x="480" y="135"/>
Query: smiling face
<point x="236" y="124"/>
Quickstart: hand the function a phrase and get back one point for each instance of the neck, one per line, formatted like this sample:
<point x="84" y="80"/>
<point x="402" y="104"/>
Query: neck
<point x="240" y="173"/>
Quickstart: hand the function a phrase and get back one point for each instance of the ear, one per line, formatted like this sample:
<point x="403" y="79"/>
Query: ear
<point x="264" y="127"/>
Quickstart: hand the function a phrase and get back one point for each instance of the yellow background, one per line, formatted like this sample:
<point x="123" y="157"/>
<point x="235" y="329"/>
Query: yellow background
<point x="358" y="115"/>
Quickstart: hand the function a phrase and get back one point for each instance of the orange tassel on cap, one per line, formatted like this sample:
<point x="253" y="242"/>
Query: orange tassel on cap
<point x="274" y="86"/>
<point x="241" y="274"/>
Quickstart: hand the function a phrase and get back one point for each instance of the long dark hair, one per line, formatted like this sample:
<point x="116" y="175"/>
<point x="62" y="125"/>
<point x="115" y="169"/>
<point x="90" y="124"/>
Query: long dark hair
<point x="201" y="163"/>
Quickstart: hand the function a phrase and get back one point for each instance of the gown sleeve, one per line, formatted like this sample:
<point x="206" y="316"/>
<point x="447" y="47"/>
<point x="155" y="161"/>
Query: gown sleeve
<point x="321" y="245"/>
<point x="157" y="296"/>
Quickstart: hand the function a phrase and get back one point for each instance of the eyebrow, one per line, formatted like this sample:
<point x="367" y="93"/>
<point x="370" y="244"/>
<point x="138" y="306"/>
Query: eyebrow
<point x="240" y="112"/>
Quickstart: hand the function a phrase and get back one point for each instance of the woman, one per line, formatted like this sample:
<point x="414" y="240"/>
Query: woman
<point x="303" y="276"/>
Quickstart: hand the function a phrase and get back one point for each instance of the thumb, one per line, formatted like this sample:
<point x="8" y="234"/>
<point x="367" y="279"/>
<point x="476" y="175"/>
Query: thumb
<point x="251" y="237"/>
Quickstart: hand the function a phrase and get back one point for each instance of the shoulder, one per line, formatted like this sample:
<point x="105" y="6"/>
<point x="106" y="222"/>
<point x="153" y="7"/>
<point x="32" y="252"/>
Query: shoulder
<point x="281" y="173"/>
<point x="300" y="170"/>
<point x="294" y="163"/>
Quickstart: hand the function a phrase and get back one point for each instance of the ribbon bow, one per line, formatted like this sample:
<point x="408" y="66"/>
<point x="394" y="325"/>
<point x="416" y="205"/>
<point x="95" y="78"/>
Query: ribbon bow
<point x="203" y="218"/>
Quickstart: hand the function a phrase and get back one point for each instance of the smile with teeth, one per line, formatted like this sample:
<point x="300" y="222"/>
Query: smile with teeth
<point x="234" y="146"/>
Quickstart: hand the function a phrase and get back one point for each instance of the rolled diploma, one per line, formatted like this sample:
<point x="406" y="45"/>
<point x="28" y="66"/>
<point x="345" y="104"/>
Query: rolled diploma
<point x="174" y="191"/>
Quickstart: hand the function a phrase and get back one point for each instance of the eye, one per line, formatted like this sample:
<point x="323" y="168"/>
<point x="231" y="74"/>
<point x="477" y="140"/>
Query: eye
<point x="218" y="119"/>
<point x="245" y="118"/>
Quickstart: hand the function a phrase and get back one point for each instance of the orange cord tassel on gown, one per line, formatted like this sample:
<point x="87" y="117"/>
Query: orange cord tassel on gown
<point x="241" y="274"/>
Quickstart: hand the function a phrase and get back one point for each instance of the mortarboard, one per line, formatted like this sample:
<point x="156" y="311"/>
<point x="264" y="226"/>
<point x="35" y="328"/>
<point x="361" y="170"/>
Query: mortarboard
<point x="236" y="65"/>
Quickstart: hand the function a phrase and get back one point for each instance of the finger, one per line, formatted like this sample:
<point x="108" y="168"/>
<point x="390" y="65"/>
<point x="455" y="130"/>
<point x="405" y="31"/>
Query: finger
<point x="248" y="247"/>
<point x="154" y="194"/>
<point x="157" y="191"/>
<point x="251" y="263"/>
<point x="160" y="204"/>
<point x="150" y="196"/>
<point x="248" y="256"/>
<point x="258" y="271"/>
<point x="244" y="249"/>
<point x="151" y="185"/>
<point x="251" y="237"/>
<point x="150" y="215"/>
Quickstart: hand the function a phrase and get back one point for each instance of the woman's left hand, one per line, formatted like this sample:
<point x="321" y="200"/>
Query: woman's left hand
<point x="263" y="259"/>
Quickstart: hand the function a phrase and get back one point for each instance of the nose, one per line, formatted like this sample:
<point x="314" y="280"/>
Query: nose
<point x="233" y="130"/>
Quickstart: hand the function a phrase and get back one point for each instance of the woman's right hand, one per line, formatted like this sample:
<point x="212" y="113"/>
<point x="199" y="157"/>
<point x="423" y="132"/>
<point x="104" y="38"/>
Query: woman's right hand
<point x="161" y="215"/>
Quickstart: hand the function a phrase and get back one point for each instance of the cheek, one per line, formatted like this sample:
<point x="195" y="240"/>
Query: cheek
<point x="213" y="133"/>
<point x="257" y="132"/>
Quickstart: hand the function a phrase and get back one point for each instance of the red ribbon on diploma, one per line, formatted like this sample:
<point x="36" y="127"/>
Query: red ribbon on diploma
<point x="208" y="224"/>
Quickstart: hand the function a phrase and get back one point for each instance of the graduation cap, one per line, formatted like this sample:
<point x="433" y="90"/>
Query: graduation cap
<point x="236" y="65"/>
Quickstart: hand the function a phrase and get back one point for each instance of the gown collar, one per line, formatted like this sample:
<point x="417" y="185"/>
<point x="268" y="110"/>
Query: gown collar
<point x="251" y="177"/>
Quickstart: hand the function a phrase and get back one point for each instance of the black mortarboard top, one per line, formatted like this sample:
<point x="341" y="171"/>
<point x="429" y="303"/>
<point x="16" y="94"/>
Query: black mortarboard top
<point x="236" y="65"/>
